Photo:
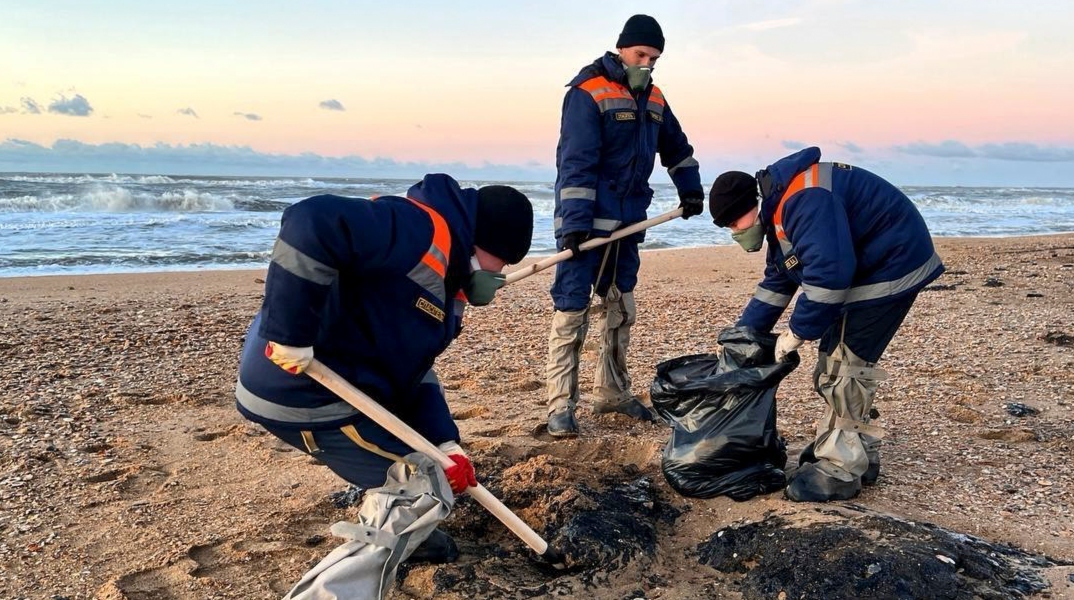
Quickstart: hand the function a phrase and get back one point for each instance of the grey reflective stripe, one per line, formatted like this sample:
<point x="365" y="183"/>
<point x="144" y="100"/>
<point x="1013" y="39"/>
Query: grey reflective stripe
<point x="606" y="224"/>
<point x="291" y="414"/>
<point x="460" y="307"/>
<point x="616" y="104"/>
<point x="557" y="223"/>
<point x="688" y="162"/>
<point x="824" y="177"/>
<point x="824" y="295"/>
<point x="301" y="265"/>
<point x="423" y="275"/>
<point x="655" y="107"/>
<point x="902" y="284"/>
<point x="785" y="246"/>
<point x="769" y="297"/>
<point x="429" y="377"/>
<point x="438" y="255"/>
<point x="577" y="193"/>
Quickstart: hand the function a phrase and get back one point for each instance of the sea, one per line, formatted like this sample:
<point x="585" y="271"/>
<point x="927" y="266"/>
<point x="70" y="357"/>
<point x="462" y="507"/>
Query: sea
<point x="63" y="224"/>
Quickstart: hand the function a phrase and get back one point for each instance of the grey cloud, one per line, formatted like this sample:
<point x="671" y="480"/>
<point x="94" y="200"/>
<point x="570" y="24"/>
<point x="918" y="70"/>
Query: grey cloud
<point x="29" y="105"/>
<point x="1011" y="151"/>
<point x="188" y="112"/>
<point x="212" y="159"/>
<point x="248" y="116"/>
<point x="145" y="116"/>
<point x="332" y="105"/>
<point x="1026" y="152"/>
<point x="7" y="110"/>
<point x="851" y="147"/>
<point x="77" y="106"/>
<point x="793" y="145"/>
<point x="945" y="149"/>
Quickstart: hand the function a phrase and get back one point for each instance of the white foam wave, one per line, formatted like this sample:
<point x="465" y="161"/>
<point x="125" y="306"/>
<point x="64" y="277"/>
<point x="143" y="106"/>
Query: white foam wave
<point x="118" y="199"/>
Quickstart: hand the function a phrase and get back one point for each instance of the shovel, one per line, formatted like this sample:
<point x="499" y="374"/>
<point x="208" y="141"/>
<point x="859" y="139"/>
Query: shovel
<point x="536" y="267"/>
<point x="356" y="398"/>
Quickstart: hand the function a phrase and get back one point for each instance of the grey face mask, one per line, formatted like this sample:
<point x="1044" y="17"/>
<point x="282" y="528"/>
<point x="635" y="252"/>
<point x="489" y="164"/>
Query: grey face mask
<point x="638" y="78"/>
<point x="481" y="287"/>
<point x="751" y="238"/>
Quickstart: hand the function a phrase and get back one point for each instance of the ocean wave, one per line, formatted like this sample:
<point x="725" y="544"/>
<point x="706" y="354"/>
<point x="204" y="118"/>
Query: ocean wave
<point x="103" y="198"/>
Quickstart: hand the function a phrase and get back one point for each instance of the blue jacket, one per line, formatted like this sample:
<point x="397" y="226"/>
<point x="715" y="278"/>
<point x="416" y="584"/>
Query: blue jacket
<point x="365" y="283"/>
<point x="607" y="147"/>
<point x="842" y="234"/>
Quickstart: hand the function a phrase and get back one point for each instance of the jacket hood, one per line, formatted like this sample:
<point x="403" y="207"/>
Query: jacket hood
<point x="458" y="206"/>
<point x="785" y="169"/>
<point x="608" y="65"/>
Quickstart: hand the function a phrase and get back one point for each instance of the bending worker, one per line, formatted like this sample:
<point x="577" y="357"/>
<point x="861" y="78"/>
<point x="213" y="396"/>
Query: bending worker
<point x="614" y="122"/>
<point x="376" y="291"/>
<point x="860" y="252"/>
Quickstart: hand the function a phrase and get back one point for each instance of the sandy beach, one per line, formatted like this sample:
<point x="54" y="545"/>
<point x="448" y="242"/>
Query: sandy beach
<point x="126" y="473"/>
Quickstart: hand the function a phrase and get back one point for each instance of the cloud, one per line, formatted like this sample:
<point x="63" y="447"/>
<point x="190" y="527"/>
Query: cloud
<point x="945" y="149"/>
<point x="332" y="105"/>
<point x="851" y="147"/>
<point x="29" y="105"/>
<point x="771" y="24"/>
<point x="188" y="112"/>
<point x="1026" y="152"/>
<point x="145" y="116"/>
<point x="248" y="116"/>
<point x="793" y="144"/>
<point x="1011" y="151"/>
<point x="65" y="156"/>
<point x="77" y="106"/>
<point x="7" y="110"/>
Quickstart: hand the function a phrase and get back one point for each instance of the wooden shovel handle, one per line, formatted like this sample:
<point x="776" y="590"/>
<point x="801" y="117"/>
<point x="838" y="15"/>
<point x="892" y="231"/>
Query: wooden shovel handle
<point x="537" y="267"/>
<point x="358" y="399"/>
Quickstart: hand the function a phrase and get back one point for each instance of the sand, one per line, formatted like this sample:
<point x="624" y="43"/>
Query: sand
<point x="125" y="471"/>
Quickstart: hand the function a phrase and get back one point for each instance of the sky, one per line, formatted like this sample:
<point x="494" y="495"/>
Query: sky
<point x="923" y="92"/>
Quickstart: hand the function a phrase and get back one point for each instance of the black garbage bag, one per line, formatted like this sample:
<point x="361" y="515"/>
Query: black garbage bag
<point x="722" y="412"/>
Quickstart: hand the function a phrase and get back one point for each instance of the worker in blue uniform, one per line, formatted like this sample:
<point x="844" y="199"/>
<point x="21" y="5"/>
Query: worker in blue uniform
<point x="859" y="251"/>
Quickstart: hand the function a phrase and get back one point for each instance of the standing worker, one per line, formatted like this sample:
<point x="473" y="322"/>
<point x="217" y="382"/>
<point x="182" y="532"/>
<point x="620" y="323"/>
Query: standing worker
<point x="376" y="291"/>
<point x="860" y="252"/>
<point x="614" y="122"/>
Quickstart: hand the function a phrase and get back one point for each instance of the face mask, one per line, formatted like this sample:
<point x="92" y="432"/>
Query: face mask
<point x="638" y="78"/>
<point x="751" y="238"/>
<point x="481" y="287"/>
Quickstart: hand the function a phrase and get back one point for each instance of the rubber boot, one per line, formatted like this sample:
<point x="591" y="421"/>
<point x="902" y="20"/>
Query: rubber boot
<point x="562" y="423"/>
<point x="561" y="371"/>
<point x="613" y="318"/>
<point x="870" y="475"/>
<point x="437" y="549"/>
<point x="821" y="482"/>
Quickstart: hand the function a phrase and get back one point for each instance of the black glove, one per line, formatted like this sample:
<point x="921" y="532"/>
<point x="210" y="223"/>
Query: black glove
<point x="692" y="204"/>
<point x="572" y="240"/>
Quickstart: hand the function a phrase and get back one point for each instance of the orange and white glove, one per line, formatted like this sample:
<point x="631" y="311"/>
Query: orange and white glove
<point x="786" y="343"/>
<point x="461" y="475"/>
<point x="289" y="358"/>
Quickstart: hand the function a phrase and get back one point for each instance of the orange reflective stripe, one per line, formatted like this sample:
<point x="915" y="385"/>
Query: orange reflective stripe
<point x="596" y="85"/>
<point x="441" y="241"/>
<point x="797" y="184"/>
<point x="657" y="97"/>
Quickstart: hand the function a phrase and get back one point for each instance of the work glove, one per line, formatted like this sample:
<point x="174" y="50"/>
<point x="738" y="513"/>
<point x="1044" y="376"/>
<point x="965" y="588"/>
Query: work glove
<point x="289" y="358"/>
<point x="692" y="204"/>
<point x="461" y="475"/>
<point x="572" y="240"/>
<point x="786" y="343"/>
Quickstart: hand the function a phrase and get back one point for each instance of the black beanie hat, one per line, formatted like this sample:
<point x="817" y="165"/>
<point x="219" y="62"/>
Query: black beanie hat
<point x="732" y="195"/>
<point x="504" y="223"/>
<point x="641" y="30"/>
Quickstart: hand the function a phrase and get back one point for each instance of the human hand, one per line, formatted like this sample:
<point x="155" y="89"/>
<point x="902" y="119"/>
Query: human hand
<point x="786" y="343"/>
<point x="289" y="358"/>
<point x="572" y="240"/>
<point x="462" y="474"/>
<point x="692" y="204"/>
